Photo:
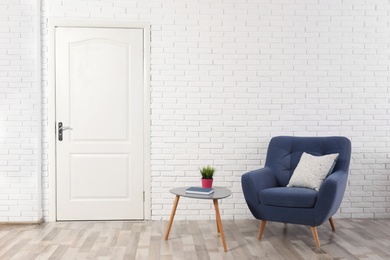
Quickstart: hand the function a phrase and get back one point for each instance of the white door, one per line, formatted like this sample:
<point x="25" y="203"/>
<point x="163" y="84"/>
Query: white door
<point x="99" y="96"/>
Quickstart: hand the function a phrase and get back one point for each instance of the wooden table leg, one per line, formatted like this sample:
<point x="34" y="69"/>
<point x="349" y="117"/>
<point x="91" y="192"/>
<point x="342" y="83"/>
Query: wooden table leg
<point x="172" y="216"/>
<point x="219" y="224"/>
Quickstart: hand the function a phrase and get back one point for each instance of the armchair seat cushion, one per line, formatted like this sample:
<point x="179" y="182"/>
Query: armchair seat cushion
<point x="290" y="197"/>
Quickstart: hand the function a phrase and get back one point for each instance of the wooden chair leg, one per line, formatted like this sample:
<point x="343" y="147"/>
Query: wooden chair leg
<point x="261" y="229"/>
<point x="332" y="224"/>
<point x="315" y="236"/>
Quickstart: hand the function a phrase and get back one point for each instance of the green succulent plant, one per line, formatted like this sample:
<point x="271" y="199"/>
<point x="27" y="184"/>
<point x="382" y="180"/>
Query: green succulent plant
<point x="207" y="172"/>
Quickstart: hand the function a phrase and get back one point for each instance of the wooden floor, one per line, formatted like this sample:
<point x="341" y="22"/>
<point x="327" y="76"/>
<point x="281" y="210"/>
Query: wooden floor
<point x="354" y="239"/>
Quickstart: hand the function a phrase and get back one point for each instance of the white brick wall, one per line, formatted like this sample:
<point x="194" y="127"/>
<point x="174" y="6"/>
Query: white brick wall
<point x="20" y="159"/>
<point x="226" y="76"/>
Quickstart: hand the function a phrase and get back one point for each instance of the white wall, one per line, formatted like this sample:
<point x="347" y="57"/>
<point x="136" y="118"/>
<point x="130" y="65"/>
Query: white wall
<point x="20" y="112"/>
<point x="228" y="75"/>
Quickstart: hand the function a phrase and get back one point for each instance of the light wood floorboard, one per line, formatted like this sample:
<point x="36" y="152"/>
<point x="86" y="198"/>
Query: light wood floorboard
<point x="353" y="239"/>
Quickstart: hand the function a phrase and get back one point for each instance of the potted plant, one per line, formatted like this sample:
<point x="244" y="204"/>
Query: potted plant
<point x="207" y="176"/>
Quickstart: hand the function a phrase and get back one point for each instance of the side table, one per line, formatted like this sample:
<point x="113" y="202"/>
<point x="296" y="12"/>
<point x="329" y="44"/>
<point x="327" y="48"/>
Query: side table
<point x="219" y="193"/>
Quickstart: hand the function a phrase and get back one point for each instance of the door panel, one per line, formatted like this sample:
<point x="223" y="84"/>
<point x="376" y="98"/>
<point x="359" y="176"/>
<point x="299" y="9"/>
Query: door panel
<point x="99" y="69"/>
<point x="99" y="95"/>
<point x="99" y="164"/>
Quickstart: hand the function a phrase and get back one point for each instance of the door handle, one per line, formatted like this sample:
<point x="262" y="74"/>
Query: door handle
<point x="62" y="128"/>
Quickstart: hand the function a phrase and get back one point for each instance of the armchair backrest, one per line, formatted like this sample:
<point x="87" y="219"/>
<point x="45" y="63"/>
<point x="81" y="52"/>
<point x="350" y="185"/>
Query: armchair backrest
<point x="284" y="153"/>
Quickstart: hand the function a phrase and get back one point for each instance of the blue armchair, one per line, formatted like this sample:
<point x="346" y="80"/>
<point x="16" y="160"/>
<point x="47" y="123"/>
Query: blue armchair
<point x="269" y="199"/>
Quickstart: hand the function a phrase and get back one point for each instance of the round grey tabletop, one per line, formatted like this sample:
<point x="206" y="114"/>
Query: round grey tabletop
<point x="219" y="193"/>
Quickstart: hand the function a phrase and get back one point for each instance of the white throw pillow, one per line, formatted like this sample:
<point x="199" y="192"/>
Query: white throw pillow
<point x="312" y="170"/>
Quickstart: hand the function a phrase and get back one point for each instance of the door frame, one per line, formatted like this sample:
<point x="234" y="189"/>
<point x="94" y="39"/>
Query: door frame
<point x="51" y="127"/>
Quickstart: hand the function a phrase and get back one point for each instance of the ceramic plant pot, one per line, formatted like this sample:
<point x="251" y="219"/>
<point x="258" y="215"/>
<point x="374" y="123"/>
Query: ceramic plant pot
<point x="207" y="183"/>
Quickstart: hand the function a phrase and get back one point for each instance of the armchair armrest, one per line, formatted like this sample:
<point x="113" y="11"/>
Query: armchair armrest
<point x="255" y="181"/>
<point x="261" y="178"/>
<point x="330" y="195"/>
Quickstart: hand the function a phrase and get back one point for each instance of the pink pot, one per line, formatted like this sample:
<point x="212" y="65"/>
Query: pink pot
<point x="207" y="183"/>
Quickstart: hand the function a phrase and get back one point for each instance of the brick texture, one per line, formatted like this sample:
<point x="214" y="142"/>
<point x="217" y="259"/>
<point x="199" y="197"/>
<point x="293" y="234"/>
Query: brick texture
<point x="20" y="199"/>
<point x="226" y="76"/>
